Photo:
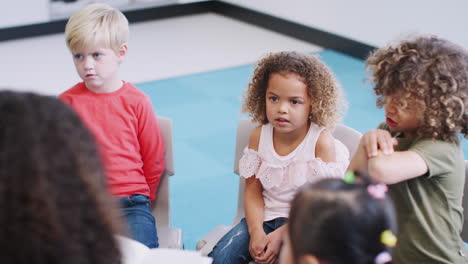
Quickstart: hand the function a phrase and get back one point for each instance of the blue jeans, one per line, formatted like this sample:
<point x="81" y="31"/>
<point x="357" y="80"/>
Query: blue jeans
<point x="140" y="221"/>
<point x="234" y="246"/>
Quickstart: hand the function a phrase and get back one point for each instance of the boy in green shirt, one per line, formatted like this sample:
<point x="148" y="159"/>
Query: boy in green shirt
<point x="423" y="86"/>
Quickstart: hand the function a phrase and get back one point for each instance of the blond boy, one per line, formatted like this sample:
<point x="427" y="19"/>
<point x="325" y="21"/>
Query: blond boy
<point x="119" y="115"/>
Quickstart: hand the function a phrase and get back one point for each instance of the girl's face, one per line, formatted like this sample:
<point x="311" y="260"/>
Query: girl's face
<point x="287" y="103"/>
<point x="403" y="117"/>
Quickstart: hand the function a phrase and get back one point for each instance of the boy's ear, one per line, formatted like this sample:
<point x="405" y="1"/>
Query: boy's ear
<point x="122" y="51"/>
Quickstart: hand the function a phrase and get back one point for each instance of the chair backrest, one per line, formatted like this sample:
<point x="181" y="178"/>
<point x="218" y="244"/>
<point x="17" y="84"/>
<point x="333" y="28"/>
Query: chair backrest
<point x="347" y="135"/>
<point x="465" y="205"/>
<point x="165" y="126"/>
<point x="161" y="208"/>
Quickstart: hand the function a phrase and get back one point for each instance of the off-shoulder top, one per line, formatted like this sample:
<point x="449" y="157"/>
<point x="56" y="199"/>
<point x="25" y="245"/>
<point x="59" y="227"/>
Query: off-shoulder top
<point x="281" y="176"/>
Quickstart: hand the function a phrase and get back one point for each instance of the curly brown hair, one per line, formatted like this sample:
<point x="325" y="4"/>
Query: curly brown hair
<point x="327" y="98"/>
<point x="432" y="72"/>
<point x="52" y="193"/>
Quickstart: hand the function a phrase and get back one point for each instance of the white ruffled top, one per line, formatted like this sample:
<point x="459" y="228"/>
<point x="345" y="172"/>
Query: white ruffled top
<point x="281" y="176"/>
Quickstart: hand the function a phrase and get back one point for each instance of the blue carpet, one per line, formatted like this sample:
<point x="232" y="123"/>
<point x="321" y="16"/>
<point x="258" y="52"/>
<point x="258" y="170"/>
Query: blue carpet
<point x="205" y="109"/>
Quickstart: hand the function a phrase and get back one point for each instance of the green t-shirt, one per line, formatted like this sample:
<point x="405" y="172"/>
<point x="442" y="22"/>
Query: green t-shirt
<point x="429" y="208"/>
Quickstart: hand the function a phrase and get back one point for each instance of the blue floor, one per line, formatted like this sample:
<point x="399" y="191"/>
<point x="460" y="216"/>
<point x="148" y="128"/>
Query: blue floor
<point x="205" y="109"/>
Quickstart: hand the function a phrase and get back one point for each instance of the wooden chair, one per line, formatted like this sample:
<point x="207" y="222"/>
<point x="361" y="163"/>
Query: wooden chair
<point x="168" y="237"/>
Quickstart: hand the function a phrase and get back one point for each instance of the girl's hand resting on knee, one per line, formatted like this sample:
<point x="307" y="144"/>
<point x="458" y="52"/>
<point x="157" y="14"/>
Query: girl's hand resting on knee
<point x="273" y="247"/>
<point x="258" y="243"/>
<point x="376" y="140"/>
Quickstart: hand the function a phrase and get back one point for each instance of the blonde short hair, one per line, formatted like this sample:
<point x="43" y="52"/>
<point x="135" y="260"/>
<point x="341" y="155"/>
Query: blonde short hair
<point x="97" y="23"/>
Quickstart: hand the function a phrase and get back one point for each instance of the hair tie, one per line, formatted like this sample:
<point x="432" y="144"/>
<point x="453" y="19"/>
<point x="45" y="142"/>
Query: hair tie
<point x="383" y="257"/>
<point x="377" y="191"/>
<point x="388" y="238"/>
<point x="349" y="177"/>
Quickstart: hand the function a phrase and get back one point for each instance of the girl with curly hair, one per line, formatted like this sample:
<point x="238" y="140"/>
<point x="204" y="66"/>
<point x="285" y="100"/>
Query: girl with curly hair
<point x="297" y="100"/>
<point x="54" y="207"/>
<point x="423" y="85"/>
<point x="340" y="222"/>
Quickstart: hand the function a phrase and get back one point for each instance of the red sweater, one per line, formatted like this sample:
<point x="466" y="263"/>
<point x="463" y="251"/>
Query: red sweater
<point x="126" y="129"/>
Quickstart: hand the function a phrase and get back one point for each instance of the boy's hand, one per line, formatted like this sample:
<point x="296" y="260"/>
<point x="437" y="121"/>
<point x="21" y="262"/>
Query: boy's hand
<point x="378" y="139"/>
<point x="273" y="247"/>
<point x="258" y="243"/>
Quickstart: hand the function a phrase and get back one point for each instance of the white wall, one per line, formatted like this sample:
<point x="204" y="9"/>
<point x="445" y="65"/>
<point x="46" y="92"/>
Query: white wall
<point x="371" y="21"/>
<point x="25" y="12"/>
<point x="22" y="12"/>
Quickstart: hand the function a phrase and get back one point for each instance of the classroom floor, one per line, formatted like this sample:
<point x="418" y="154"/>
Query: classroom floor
<point x="195" y="74"/>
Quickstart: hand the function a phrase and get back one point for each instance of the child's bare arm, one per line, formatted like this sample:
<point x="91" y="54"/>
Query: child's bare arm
<point x="369" y="146"/>
<point x="254" y="205"/>
<point x="376" y="158"/>
<point x="325" y="147"/>
<point x="396" y="167"/>
<point x="378" y="139"/>
<point x="359" y="161"/>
